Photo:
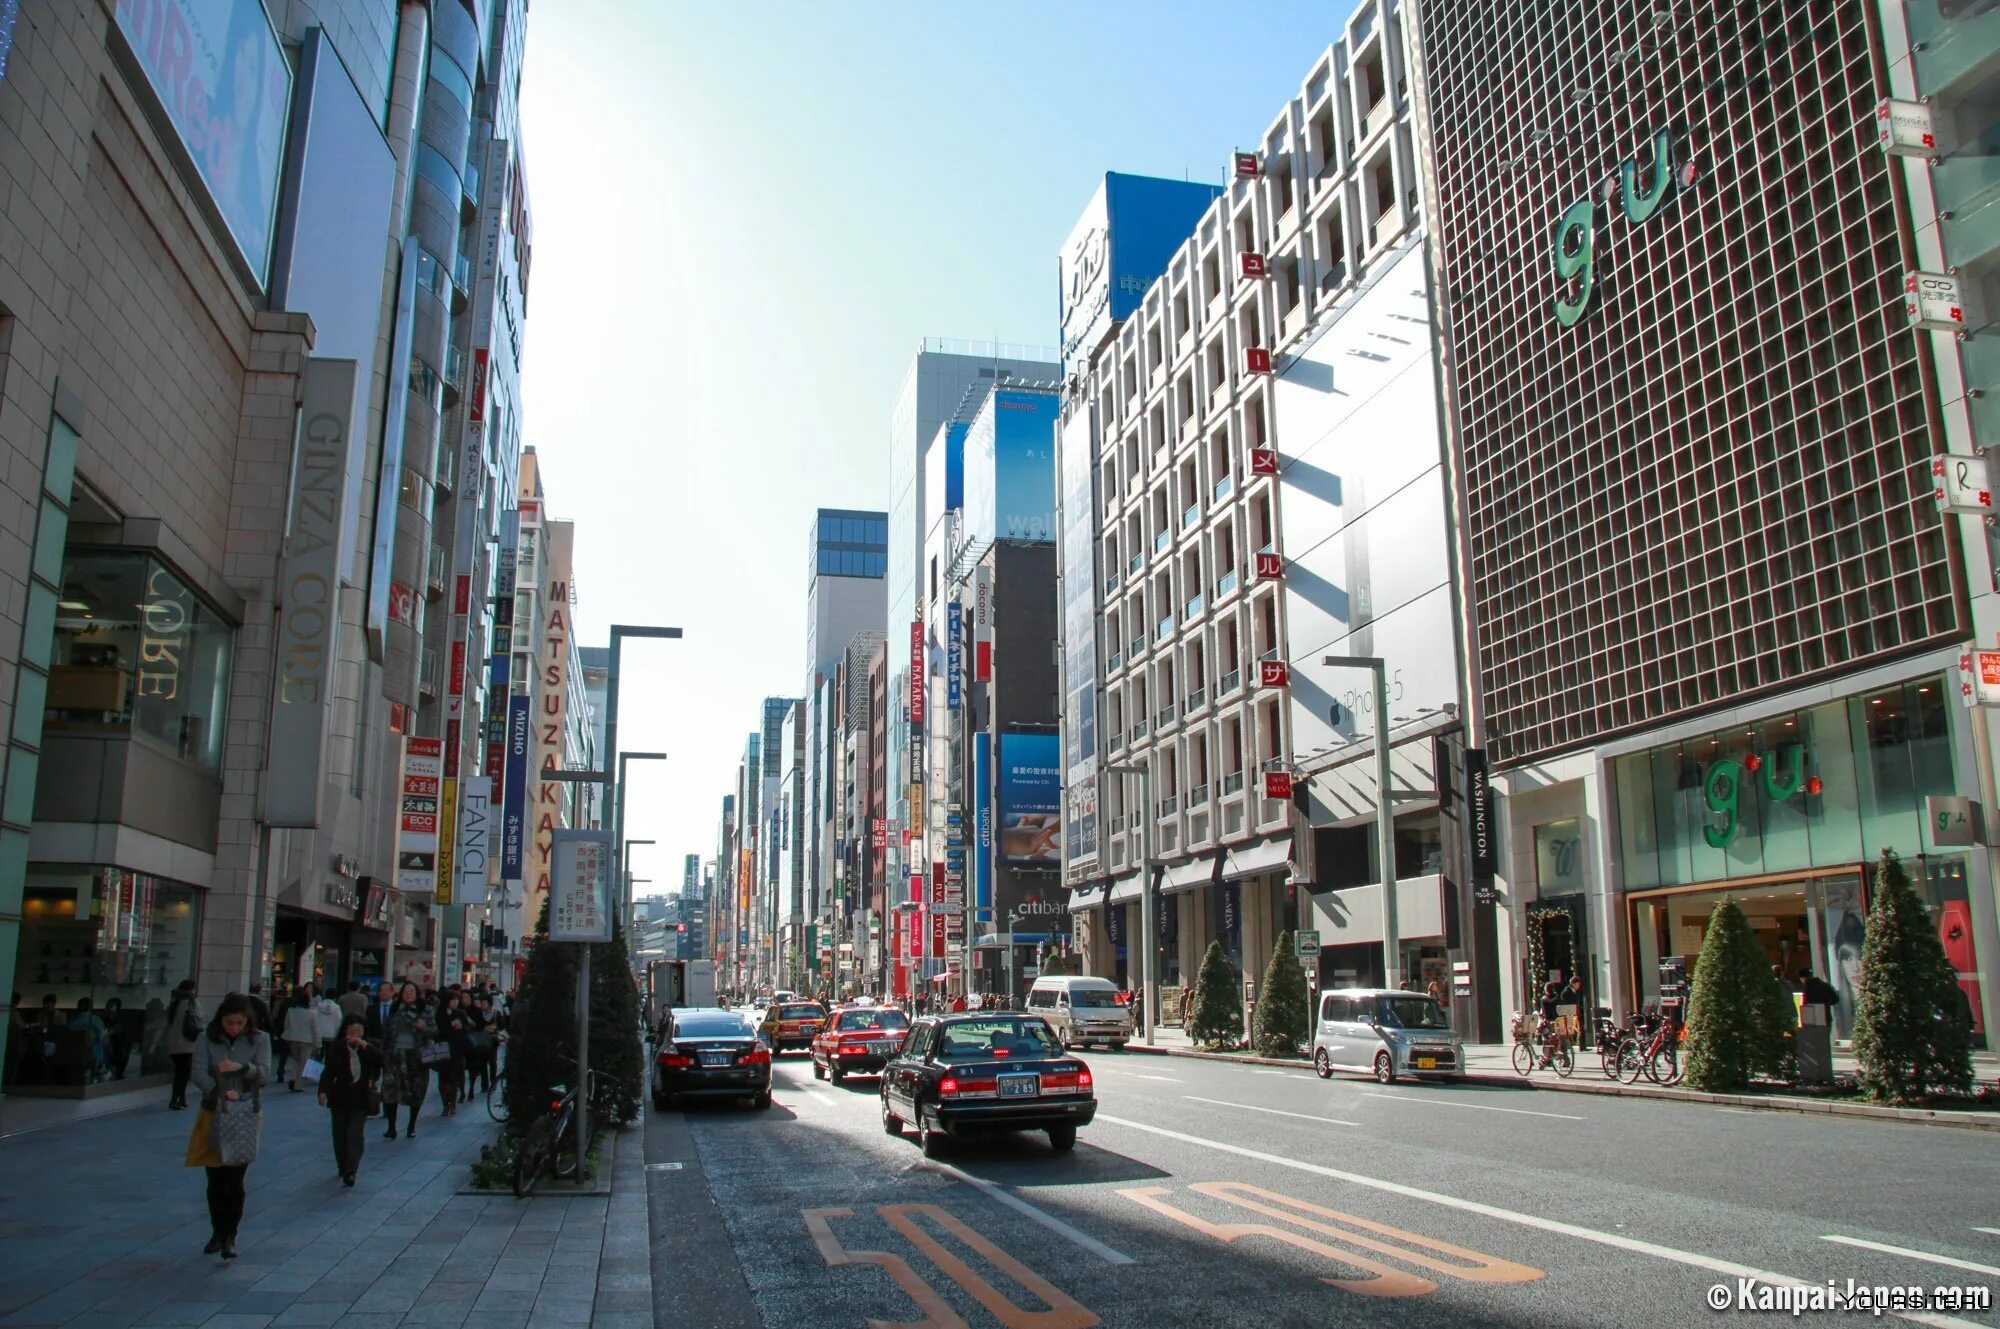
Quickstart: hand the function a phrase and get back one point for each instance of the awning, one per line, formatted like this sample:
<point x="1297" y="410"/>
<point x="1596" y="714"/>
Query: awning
<point x="1125" y="889"/>
<point x="1250" y="860"/>
<point x="1088" y="897"/>
<point x="1197" y="871"/>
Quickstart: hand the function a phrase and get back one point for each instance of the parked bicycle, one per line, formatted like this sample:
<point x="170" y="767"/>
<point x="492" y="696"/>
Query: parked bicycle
<point x="556" y="1143"/>
<point x="1547" y="1050"/>
<point x="1653" y="1051"/>
<point x="496" y="1096"/>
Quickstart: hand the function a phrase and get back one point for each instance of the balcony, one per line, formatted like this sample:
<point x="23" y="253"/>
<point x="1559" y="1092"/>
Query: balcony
<point x="1113" y="582"/>
<point x="439" y="565"/>
<point x="1219" y="398"/>
<point x="447" y="468"/>
<point x="1161" y="541"/>
<point x="1196" y="700"/>
<point x="1232" y="784"/>
<point x="1377" y="119"/>
<point x="1194" y="607"/>
<point x="1115" y="660"/>
<point x="1164" y="718"/>
<point x="1191" y="515"/>
<point x="1138" y="562"/>
<point x="1169" y="805"/>
<point x="1138" y="732"/>
<point x="1165" y="629"/>
<point x="427" y="673"/>
<point x="469" y="181"/>
<point x="454" y="368"/>
<point x="1190" y="427"/>
<point x="461" y="283"/>
<point x="1387" y="226"/>
<point x="1225" y="583"/>
<point x="1230" y="682"/>
<point x="1225" y="487"/>
<point x="1138" y="648"/>
<point x="1197" y="796"/>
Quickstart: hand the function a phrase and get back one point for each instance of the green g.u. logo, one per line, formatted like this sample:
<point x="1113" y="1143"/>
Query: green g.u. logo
<point x="1577" y="232"/>
<point x="1784" y="773"/>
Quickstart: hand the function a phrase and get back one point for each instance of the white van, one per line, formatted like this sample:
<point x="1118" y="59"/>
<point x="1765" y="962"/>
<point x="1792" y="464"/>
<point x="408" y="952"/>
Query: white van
<point x="1385" y="1032"/>
<point x="1082" y="1010"/>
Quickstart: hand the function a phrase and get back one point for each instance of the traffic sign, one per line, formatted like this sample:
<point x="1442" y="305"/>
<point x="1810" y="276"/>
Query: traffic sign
<point x="1308" y="944"/>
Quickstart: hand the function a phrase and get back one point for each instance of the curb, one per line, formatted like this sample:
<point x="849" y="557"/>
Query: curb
<point x="1964" y="1121"/>
<point x="553" y="1188"/>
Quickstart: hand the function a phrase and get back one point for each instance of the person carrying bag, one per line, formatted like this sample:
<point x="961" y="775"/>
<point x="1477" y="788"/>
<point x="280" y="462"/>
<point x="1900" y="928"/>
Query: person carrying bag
<point x="231" y="1065"/>
<point x="349" y="1092"/>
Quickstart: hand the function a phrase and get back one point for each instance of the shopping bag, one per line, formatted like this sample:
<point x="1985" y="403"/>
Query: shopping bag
<point x="236" y="1126"/>
<point x="435" y="1053"/>
<point x="201" y="1141"/>
<point x="315" y="1068"/>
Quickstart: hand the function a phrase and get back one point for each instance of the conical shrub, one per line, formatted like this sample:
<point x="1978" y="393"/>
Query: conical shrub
<point x="1910" y="1035"/>
<point x="1279" y="1026"/>
<point x="1740" y="1016"/>
<point x="1218" y="1003"/>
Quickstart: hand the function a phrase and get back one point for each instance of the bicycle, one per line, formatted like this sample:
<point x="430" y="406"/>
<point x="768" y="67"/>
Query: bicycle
<point x="1554" y="1052"/>
<point x="555" y="1143"/>
<point x="496" y="1096"/>
<point x="1654" y="1053"/>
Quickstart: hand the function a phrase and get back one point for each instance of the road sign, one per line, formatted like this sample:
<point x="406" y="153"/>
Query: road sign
<point x="1308" y="944"/>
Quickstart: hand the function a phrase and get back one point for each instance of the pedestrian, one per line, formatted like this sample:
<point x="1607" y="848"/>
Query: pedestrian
<point x="300" y="1033"/>
<point x="481" y="1046"/>
<point x="232" y="1063"/>
<point x="348" y="1089"/>
<point x="454" y="1022"/>
<point x="378" y="1014"/>
<point x="1436" y="990"/>
<point x="1816" y="991"/>
<point x="92" y="1024"/>
<point x="260" y="1009"/>
<point x="117" y="1037"/>
<point x="184" y="1024"/>
<point x="353" y="1002"/>
<point x="405" y="1078"/>
<point x="328" y="1017"/>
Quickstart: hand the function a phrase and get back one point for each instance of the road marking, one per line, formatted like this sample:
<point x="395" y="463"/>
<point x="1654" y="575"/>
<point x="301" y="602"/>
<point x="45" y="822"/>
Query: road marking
<point x="1063" y="1311"/>
<point x="1248" y="1107"/>
<point x="1989" y="1231"/>
<point x="1469" y="1265"/>
<point x="1139" y="1075"/>
<point x="1476" y="1107"/>
<point x="1048" y="1220"/>
<point x="1741" y="1112"/>
<point x="1918" y="1255"/>
<point x="1266" y="1071"/>
<point x="1632" y="1244"/>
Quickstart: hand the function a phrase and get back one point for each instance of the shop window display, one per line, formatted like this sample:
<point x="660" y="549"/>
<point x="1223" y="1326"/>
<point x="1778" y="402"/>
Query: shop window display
<point x="138" y="652"/>
<point x="101" y="951"/>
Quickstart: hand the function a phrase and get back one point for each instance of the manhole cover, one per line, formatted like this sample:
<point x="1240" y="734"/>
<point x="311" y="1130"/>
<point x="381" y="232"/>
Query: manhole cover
<point x="663" y="1167"/>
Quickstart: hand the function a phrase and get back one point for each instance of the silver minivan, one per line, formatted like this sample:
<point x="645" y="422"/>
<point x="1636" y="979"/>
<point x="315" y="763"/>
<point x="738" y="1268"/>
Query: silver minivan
<point x="1082" y="1010"/>
<point x="1386" y="1033"/>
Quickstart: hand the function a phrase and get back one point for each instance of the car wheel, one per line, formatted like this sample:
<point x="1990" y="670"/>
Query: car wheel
<point x="835" y="1074"/>
<point x="1322" y="1064"/>
<point x="1062" y="1139"/>
<point x="1385" y="1068"/>
<point x="819" y="1071"/>
<point x="662" y="1102"/>
<point x="761" y="1101"/>
<point x="931" y="1138"/>
<point x="1117" y="1047"/>
<point x="891" y="1123"/>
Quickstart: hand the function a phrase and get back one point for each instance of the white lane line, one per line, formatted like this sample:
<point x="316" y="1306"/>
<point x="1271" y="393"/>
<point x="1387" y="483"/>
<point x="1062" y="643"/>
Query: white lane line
<point x="1741" y="1112"/>
<point x="1247" y="1107"/>
<point x="1476" y="1107"/>
<point x="1262" y="1070"/>
<point x="1141" y="1075"/>
<point x="1633" y="1244"/>
<point x="1989" y="1231"/>
<point x="1945" y="1260"/>
<point x="1039" y="1215"/>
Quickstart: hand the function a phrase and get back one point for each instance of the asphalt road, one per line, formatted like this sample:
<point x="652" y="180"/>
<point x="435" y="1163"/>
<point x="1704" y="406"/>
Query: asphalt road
<point x="1212" y="1193"/>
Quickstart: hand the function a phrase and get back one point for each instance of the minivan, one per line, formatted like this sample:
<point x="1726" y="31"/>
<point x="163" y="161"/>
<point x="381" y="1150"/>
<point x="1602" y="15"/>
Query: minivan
<point x="1385" y="1032"/>
<point x="1082" y="1010"/>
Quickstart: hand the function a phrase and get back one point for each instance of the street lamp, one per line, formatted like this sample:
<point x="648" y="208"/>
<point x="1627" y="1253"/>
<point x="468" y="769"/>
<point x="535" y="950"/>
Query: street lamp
<point x="618" y="812"/>
<point x="1149" y="990"/>
<point x="631" y="912"/>
<point x="1385" y="811"/>
<point x="619" y="632"/>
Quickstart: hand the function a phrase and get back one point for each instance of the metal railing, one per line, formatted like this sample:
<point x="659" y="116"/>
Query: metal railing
<point x="1225" y="583"/>
<point x="1197" y="795"/>
<point x="1224" y="487"/>
<point x="1169" y="805"/>
<point x="1164" y="717"/>
<point x="1230" y="682"/>
<point x="1232" y="784"/>
<point x="1197" y="699"/>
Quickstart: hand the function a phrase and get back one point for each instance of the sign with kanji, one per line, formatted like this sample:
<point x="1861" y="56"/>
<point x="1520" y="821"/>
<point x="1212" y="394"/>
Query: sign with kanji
<point x="580" y="886"/>
<point x="1270" y="567"/>
<point x="1934" y="300"/>
<point x="1274" y="674"/>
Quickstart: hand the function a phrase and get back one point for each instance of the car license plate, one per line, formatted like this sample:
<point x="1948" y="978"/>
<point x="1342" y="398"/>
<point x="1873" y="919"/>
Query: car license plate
<point x="1427" y="1063"/>
<point x="715" y="1058"/>
<point x="1020" y="1086"/>
<point x="882" y="1049"/>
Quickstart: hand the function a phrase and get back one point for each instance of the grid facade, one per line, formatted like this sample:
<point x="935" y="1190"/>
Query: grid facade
<point x="1714" y="481"/>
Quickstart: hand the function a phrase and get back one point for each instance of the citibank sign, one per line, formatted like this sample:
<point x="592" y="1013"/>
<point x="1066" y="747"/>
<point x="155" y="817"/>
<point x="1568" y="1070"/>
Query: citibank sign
<point x="1582" y="231"/>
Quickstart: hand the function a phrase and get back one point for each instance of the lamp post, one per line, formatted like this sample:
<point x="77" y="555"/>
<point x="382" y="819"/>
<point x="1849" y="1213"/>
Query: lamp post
<point x="619" y="632"/>
<point x="1385" y="810"/>
<point x="1149" y="991"/>
<point x="630" y="905"/>
<point x="618" y="815"/>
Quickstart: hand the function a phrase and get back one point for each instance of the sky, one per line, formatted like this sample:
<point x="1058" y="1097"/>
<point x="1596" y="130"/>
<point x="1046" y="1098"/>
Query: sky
<point x="746" y="215"/>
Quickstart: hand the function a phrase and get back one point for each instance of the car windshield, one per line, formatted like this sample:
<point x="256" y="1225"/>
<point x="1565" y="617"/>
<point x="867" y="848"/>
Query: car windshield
<point x="710" y="1026"/>
<point x="1412" y="1012"/>
<point x="974" y="1040"/>
<point x="880" y="1019"/>
<point x="800" y="1013"/>
<point x="1093" y="997"/>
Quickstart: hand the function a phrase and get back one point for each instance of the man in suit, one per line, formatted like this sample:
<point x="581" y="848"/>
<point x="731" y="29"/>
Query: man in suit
<point x="378" y="1013"/>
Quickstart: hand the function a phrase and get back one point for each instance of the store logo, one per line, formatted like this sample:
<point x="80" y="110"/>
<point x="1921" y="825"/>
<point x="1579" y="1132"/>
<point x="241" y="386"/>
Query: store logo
<point x="1578" y="233"/>
<point x="1784" y="774"/>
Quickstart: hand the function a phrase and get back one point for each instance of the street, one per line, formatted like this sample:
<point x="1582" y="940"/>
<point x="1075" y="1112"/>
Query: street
<point x="1220" y="1194"/>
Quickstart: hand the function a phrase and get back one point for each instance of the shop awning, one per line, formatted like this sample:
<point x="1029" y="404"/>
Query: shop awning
<point x="1197" y="871"/>
<point x="1088" y="897"/>
<point x="1125" y="889"/>
<point x="1249" y="860"/>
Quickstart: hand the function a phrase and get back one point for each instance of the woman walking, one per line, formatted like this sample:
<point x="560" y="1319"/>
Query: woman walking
<point x="482" y="1046"/>
<point x="352" y="1067"/>
<point x="301" y="1031"/>
<point x="454" y="1026"/>
<point x="184" y="1024"/>
<point x="405" y="1078"/>
<point x="232" y="1063"/>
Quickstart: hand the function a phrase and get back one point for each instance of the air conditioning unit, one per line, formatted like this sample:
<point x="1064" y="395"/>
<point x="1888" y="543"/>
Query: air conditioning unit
<point x="1255" y="265"/>
<point x="1256" y="360"/>
<point x="1247" y="167"/>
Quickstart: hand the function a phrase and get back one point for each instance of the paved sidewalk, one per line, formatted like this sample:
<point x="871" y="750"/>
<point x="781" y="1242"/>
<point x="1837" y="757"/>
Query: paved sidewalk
<point x="101" y="1227"/>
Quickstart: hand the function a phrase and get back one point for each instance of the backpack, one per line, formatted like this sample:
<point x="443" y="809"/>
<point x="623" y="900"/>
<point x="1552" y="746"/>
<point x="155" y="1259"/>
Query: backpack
<point x="190" y="1027"/>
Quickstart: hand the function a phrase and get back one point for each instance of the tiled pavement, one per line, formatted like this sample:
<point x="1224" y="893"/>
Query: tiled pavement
<point x="101" y="1227"/>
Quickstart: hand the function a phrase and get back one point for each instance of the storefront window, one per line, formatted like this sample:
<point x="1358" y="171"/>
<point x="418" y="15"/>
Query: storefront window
<point x="120" y="941"/>
<point x="1817" y="788"/>
<point x="138" y="652"/>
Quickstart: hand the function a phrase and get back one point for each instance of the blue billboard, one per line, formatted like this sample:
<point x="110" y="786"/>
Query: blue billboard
<point x="982" y="819"/>
<point x="1010" y="468"/>
<point x="1118" y="249"/>
<point x="1030" y="781"/>
<point x="513" y="820"/>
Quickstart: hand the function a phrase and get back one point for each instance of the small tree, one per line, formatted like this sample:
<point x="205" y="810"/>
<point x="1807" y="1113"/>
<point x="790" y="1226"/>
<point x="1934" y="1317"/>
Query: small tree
<point x="541" y="1030"/>
<point x="1279" y="1026"/>
<point x="1740" y="1015"/>
<point x="615" y="1052"/>
<point x="1218" y="1004"/>
<point x="1910" y="1035"/>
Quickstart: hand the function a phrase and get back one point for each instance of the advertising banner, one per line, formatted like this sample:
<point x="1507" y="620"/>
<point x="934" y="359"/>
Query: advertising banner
<point x="1010" y="469"/>
<point x="917" y="679"/>
<point x="982" y="817"/>
<point x="1030" y="798"/>
<point x="447" y="843"/>
<point x="416" y="838"/>
<point x="513" y="817"/>
<point x="221" y="75"/>
<point x="982" y="622"/>
<point x="954" y="654"/>
<point x="454" y="964"/>
<point x="580" y="886"/>
<point x="551" y="799"/>
<point x="475" y="831"/>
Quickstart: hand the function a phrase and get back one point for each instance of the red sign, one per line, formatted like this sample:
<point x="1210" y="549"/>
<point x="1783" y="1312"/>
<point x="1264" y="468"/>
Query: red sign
<point x="402" y="604"/>
<point x="917" y="679"/>
<point x="477" y="411"/>
<point x="937" y="936"/>
<point x="906" y="837"/>
<point x="452" y="731"/>
<point x="1263" y="461"/>
<point x="1270" y="567"/>
<point x="455" y="684"/>
<point x="919" y="935"/>
<point x="461" y="594"/>
<point x="1256" y="359"/>
<point x="1274" y="674"/>
<point x="1278" y="784"/>
<point x="1246" y="166"/>
<point x="879" y="833"/>
<point x="1254" y="265"/>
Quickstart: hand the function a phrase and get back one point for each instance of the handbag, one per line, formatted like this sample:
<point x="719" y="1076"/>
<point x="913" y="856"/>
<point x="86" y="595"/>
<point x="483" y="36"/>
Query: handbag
<point x="315" y="1070"/>
<point x="190" y="1027"/>
<point x="236" y="1130"/>
<point x="201" y="1150"/>
<point x="435" y="1053"/>
<point x="478" y="1043"/>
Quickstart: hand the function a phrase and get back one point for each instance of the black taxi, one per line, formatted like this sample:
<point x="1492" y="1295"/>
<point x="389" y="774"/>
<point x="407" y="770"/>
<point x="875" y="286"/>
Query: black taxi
<point x="960" y="1075"/>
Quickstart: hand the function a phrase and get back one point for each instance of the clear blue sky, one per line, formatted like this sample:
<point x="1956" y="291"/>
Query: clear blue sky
<point x="746" y="215"/>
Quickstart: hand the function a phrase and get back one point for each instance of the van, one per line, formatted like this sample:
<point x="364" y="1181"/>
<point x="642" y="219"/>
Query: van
<point x="1385" y="1032"/>
<point x="1082" y="1010"/>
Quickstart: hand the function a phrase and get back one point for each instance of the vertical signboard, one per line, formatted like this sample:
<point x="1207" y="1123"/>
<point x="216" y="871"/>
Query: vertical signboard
<point x="918" y="685"/>
<point x="308" y="599"/>
<point x="447" y="844"/>
<point x="1483" y="855"/>
<point x="454" y="962"/>
<point x="416" y="838"/>
<point x="982" y="815"/>
<point x="579" y="885"/>
<point x="475" y="831"/>
<point x="954" y="655"/>
<point x="514" y="815"/>
<point x="982" y="623"/>
<point x="550" y="801"/>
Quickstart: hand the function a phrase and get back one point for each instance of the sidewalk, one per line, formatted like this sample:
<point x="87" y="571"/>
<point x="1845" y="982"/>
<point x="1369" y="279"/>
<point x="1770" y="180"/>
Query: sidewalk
<point x="101" y="1227"/>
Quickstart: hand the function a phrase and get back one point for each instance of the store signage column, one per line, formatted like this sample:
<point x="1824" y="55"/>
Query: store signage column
<point x="417" y="837"/>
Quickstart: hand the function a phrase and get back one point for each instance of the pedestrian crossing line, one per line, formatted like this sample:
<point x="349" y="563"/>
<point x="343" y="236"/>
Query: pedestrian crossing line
<point x="1906" y="1252"/>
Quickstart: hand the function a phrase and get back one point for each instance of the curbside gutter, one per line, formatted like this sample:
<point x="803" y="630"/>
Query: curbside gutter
<point x="1965" y="1121"/>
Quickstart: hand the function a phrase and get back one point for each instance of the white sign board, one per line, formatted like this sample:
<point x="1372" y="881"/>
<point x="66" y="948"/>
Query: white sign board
<point x="1962" y="484"/>
<point x="1934" y="300"/>
<point x="1905" y="129"/>
<point x="580" y="886"/>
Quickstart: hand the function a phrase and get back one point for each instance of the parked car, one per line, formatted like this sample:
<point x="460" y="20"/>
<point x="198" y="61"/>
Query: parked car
<point x="858" y="1039"/>
<point x="708" y="1052"/>
<point x="1385" y="1032"/>
<point x="961" y="1075"/>
<point x="792" y="1024"/>
<point x="1082" y="1010"/>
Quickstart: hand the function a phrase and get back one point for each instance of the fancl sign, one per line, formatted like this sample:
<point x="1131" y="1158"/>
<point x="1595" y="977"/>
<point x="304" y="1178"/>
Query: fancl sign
<point x="1581" y="230"/>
